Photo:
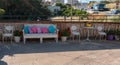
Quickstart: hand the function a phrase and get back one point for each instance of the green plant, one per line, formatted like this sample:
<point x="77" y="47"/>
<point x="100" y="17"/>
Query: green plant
<point x="117" y="32"/>
<point x="111" y="32"/>
<point x="16" y="33"/>
<point x="65" y="33"/>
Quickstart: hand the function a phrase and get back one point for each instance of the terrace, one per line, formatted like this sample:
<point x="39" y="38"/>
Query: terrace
<point x="95" y="52"/>
<point x="61" y="53"/>
<point x="18" y="13"/>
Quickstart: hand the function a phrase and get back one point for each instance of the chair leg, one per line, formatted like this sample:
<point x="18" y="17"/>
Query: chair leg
<point x="79" y="37"/>
<point x="3" y="39"/>
<point x="56" y="40"/>
<point x="95" y="37"/>
<point x="41" y="40"/>
<point x="24" y="40"/>
<point x="105" y="37"/>
<point x="11" y="39"/>
<point x="73" y="37"/>
<point x="100" y="37"/>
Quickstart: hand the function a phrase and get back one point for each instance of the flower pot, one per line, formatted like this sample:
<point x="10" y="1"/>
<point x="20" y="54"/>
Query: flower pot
<point x="110" y="37"/>
<point x="17" y="39"/>
<point x="63" y="38"/>
<point x="117" y="37"/>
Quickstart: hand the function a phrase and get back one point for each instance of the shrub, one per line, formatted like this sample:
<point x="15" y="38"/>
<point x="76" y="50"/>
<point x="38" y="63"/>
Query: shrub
<point x="16" y="33"/>
<point x="65" y="32"/>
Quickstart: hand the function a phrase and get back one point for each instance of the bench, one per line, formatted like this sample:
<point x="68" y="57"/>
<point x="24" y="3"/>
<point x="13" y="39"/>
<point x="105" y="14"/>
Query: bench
<point x="42" y="33"/>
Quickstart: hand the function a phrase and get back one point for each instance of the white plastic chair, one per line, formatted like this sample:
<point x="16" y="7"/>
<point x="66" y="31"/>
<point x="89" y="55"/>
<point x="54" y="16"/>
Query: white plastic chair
<point x="101" y="32"/>
<point x="74" y="31"/>
<point x="7" y="32"/>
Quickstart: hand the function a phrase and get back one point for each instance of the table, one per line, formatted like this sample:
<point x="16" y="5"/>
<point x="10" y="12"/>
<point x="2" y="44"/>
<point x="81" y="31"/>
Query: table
<point x="88" y="28"/>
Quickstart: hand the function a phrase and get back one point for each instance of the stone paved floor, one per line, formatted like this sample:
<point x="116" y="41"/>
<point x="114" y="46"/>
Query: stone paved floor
<point x="62" y="53"/>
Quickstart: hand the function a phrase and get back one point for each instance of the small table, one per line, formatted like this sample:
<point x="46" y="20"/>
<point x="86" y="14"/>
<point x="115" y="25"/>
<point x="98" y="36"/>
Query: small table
<point x="88" y="28"/>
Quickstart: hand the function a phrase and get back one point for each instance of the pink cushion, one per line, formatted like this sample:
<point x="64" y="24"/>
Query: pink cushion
<point x="30" y="31"/>
<point x="44" y="30"/>
<point x="34" y="29"/>
<point x="39" y="30"/>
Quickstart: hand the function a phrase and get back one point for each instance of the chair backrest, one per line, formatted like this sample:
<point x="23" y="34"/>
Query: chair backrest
<point x="99" y="28"/>
<point x="73" y="28"/>
<point x="8" y="29"/>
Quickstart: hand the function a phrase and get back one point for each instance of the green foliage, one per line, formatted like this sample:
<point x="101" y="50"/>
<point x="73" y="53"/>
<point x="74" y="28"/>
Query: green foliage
<point x="65" y="33"/>
<point x="67" y="10"/>
<point x="111" y="32"/>
<point x="77" y="12"/>
<point x="16" y="33"/>
<point x="61" y="5"/>
<point x="117" y="32"/>
<point x="26" y="8"/>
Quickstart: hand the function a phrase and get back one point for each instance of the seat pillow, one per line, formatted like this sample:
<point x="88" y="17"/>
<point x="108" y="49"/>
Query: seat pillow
<point x="44" y="30"/>
<point x="51" y="29"/>
<point x="30" y="30"/>
<point x="26" y="31"/>
<point x="34" y="29"/>
<point x="39" y="30"/>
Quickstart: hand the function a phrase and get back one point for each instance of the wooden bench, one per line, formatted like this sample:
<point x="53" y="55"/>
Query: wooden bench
<point x="40" y="35"/>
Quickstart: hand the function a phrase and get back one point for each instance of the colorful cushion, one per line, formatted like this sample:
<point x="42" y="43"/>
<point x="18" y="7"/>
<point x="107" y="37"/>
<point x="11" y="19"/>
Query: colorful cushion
<point x="26" y="30"/>
<point x="51" y="29"/>
<point x="30" y="30"/>
<point x="39" y="30"/>
<point x="44" y="30"/>
<point x="34" y="29"/>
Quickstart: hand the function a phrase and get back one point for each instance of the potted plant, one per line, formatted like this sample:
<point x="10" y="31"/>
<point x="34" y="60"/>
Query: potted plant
<point x="88" y="24"/>
<point x="17" y="35"/>
<point x="110" y="34"/>
<point x="64" y="34"/>
<point x="117" y="35"/>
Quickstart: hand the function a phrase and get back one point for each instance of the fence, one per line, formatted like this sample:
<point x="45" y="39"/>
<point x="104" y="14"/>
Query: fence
<point x="62" y="25"/>
<point x="92" y="18"/>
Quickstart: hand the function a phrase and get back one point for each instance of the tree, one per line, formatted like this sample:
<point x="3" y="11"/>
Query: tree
<point x="67" y="10"/>
<point x="25" y="8"/>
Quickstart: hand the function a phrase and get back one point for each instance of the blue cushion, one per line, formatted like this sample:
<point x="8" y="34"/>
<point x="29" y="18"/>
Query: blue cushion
<point x="51" y="29"/>
<point x="26" y="31"/>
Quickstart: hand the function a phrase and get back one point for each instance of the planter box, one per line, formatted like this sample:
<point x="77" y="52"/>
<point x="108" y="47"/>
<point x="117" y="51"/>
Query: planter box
<point x="110" y="37"/>
<point x="17" y="39"/>
<point x="117" y="37"/>
<point x="63" y="38"/>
